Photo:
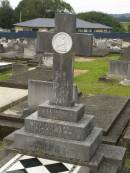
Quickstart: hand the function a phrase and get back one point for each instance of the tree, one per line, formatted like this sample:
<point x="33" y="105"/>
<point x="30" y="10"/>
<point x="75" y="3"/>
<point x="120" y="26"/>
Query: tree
<point x="31" y="9"/>
<point x="102" y="18"/>
<point x="6" y="14"/>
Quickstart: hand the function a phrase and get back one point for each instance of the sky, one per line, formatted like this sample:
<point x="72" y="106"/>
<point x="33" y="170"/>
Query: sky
<point x="107" y="6"/>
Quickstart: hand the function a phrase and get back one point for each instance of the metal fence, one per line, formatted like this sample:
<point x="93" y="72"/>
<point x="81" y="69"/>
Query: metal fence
<point x="21" y="34"/>
<point x="124" y="36"/>
<point x="33" y="34"/>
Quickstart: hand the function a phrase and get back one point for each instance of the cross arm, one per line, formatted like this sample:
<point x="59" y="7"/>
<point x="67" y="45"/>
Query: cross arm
<point x="83" y="43"/>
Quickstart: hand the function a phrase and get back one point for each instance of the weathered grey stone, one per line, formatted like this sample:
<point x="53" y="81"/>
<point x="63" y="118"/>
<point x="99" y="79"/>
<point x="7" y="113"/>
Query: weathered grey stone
<point x="111" y="155"/>
<point x="29" y="52"/>
<point x="80" y="151"/>
<point x="21" y="80"/>
<point x="67" y="130"/>
<point x="82" y="169"/>
<point x="126" y="54"/>
<point x="47" y="59"/>
<point x="107" y="168"/>
<point x="41" y="91"/>
<point x="38" y="92"/>
<point x="98" y="52"/>
<point x="86" y="40"/>
<point x="102" y="107"/>
<point x="119" y="69"/>
<point x="126" y="138"/>
<point x="56" y="112"/>
<point x="114" y="135"/>
<point x="19" y="69"/>
<point x="42" y="45"/>
<point x="115" y="154"/>
<point x="62" y="65"/>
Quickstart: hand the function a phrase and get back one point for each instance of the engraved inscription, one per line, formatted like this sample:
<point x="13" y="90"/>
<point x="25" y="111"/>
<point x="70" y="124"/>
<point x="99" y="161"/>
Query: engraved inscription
<point x="50" y="129"/>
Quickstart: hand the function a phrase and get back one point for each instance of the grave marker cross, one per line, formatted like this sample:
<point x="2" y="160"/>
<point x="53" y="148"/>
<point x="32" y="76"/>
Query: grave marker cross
<point x="64" y="43"/>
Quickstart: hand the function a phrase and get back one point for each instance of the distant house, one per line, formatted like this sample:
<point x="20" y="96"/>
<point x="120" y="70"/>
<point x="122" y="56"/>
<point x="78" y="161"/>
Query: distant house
<point x="39" y="24"/>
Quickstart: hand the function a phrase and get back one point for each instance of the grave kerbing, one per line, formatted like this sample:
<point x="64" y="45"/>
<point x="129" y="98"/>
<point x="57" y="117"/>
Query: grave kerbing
<point x="59" y="130"/>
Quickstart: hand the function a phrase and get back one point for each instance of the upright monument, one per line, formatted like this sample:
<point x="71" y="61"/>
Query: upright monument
<point x="59" y="129"/>
<point x="121" y="68"/>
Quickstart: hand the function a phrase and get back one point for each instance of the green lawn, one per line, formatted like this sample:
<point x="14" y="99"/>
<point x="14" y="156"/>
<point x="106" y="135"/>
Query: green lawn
<point x="5" y="75"/>
<point x="88" y="83"/>
<point x="125" y="25"/>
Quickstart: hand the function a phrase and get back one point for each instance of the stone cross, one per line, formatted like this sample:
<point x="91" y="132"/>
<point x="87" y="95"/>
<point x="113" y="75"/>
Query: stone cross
<point x="63" y="48"/>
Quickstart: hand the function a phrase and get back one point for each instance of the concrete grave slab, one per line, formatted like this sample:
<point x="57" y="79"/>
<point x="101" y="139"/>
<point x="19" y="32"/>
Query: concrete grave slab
<point x="5" y="66"/>
<point x="16" y="111"/>
<point x="18" y="69"/>
<point x="116" y="132"/>
<point x="21" y="80"/>
<point x="108" y="116"/>
<point x="102" y="107"/>
<point x="8" y="96"/>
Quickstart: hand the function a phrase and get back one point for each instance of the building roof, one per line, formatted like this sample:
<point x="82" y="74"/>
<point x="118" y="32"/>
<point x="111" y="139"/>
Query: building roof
<point x="50" y="23"/>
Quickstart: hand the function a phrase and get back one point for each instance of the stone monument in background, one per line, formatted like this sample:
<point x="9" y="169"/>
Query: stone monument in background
<point x="59" y="129"/>
<point x="121" y="68"/>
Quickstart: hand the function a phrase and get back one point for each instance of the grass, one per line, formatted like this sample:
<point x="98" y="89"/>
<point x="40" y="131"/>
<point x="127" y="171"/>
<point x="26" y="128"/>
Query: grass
<point x="125" y="25"/>
<point x="5" y="75"/>
<point x="128" y="164"/>
<point x="88" y="83"/>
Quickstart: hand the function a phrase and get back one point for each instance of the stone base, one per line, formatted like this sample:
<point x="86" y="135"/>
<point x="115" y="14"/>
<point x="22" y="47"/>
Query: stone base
<point x="79" y="151"/>
<point x="108" y="159"/>
<point x="54" y="112"/>
<point x="62" y="129"/>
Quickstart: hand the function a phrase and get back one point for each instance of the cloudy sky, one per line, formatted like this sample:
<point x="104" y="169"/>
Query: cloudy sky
<point x="109" y="6"/>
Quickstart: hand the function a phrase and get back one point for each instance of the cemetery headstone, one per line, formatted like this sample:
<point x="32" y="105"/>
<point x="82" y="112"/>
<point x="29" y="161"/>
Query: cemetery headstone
<point x="120" y="69"/>
<point x="100" y="48"/>
<point x="30" y="49"/>
<point x="59" y="129"/>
